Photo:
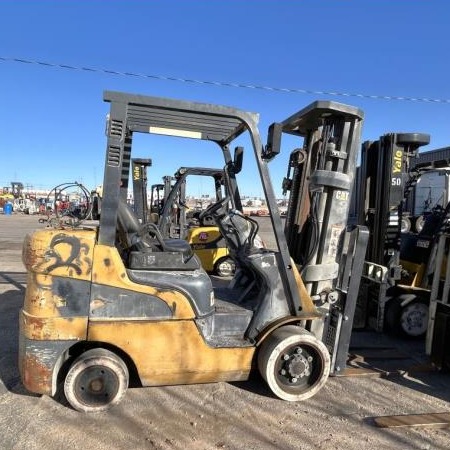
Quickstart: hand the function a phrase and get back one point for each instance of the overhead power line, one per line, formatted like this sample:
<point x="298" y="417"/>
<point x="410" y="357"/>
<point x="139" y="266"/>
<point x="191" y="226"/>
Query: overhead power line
<point x="226" y="84"/>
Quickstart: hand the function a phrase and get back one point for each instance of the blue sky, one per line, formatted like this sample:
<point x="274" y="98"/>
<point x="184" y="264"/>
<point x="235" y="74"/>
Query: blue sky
<point x="52" y="119"/>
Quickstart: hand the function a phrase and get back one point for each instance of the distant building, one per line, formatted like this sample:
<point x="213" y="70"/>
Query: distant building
<point x="433" y="155"/>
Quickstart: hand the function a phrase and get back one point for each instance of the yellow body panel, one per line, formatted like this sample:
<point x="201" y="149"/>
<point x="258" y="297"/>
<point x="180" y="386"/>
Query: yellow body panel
<point x="164" y="351"/>
<point x="417" y="272"/>
<point x="53" y="328"/>
<point x="173" y="352"/>
<point x="209" y="257"/>
<point x="40" y="299"/>
<point x="60" y="253"/>
<point x="51" y="256"/>
<point x="109" y="270"/>
<point x="208" y="244"/>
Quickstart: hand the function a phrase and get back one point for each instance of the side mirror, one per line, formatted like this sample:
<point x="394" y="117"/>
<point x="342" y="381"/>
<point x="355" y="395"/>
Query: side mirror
<point x="238" y="159"/>
<point x="273" y="145"/>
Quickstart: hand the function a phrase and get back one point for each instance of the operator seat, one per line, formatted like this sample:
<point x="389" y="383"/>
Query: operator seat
<point x="164" y="263"/>
<point x="137" y="236"/>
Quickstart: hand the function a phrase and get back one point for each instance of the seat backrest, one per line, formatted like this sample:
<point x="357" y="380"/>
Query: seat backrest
<point x="128" y="224"/>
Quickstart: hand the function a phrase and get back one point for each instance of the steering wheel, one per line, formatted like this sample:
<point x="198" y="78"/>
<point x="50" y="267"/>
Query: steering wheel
<point x="151" y="229"/>
<point x="212" y="209"/>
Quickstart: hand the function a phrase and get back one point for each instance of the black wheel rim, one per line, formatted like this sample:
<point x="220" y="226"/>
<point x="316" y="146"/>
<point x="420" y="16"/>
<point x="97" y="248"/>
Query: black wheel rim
<point x="96" y="385"/>
<point x="298" y="368"/>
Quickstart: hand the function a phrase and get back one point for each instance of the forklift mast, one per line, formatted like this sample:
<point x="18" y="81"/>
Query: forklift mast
<point x="438" y="332"/>
<point x="167" y="183"/>
<point x="320" y="178"/>
<point x="386" y="177"/>
<point x="139" y="170"/>
<point x="157" y="195"/>
<point x="385" y="170"/>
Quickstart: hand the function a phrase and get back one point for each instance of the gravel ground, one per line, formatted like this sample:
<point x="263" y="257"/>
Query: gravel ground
<point x="216" y="416"/>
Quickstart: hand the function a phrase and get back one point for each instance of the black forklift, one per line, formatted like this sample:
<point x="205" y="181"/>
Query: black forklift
<point x="139" y="167"/>
<point x="394" y="294"/>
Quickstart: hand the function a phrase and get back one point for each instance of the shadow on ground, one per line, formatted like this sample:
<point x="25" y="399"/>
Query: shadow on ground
<point x="10" y="303"/>
<point x="400" y="360"/>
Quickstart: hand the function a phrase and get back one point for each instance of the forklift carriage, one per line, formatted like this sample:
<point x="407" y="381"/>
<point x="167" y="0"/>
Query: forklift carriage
<point x="108" y="304"/>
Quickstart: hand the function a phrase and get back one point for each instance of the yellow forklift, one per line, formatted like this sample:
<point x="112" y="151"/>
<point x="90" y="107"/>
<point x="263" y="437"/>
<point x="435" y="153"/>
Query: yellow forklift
<point x="201" y="231"/>
<point x="117" y="303"/>
<point x="176" y="220"/>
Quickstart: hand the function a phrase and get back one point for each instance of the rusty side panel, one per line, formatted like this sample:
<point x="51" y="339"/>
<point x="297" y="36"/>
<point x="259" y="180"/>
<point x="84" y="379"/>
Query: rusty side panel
<point x="109" y="270"/>
<point x="56" y="304"/>
<point x="39" y="362"/>
<point x="173" y="352"/>
<point x="36" y="375"/>
<point x="53" y="328"/>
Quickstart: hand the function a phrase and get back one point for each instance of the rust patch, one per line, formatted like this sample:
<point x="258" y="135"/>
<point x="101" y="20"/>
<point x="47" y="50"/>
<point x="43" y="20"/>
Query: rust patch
<point x="36" y="376"/>
<point x="29" y="256"/>
<point x="36" y="324"/>
<point x="54" y="328"/>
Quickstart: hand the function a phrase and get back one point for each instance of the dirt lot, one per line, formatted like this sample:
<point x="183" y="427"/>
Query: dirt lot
<point x="223" y="415"/>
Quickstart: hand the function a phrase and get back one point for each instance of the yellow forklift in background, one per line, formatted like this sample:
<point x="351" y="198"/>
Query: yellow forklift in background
<point x="177" y="220"/>
<point x="115" y="304"/>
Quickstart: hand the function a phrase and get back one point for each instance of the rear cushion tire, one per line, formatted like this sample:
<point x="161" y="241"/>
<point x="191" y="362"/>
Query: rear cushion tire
<point x="96" y="381"/>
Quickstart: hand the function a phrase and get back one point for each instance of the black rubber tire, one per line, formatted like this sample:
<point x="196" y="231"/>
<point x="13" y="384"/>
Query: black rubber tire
<point x="96" y="381"/>
<point x="409" y="321"/>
